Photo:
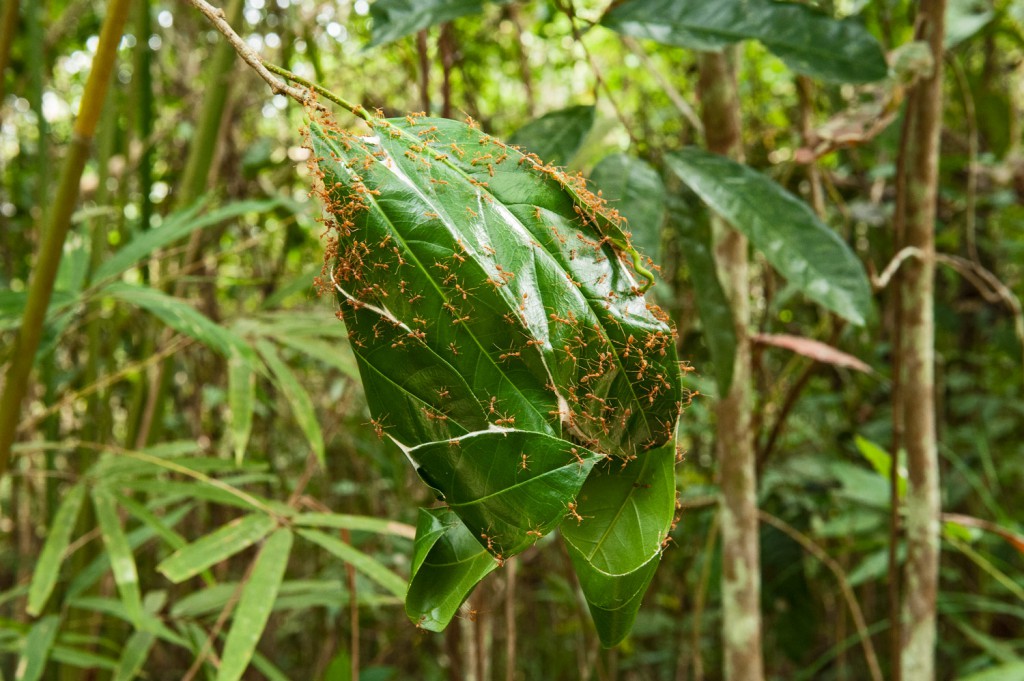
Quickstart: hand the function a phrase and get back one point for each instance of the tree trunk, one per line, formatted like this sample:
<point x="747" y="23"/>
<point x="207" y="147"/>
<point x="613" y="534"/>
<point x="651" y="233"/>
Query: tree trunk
<point x="741" y="572"/>
<point x="919" y="187"/>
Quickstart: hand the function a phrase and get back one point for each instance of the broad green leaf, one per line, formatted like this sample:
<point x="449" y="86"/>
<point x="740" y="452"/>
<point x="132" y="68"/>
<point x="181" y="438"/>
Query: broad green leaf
<point x="394" y="19"/>
<point x="556" y="137"/>
<point x="44" y="577"/>
<point x="219" y="545"/>
<point x="807" y="40"/>
<point x="181" y="317"/>
<point x="625" y="513"/>
<point x="633" y="187"/>
<point x="510" y="488"/>
<point x="881" y="461"/>
<point x="134" y="655"/>
<point x="366" y="564"/>
<point x="254" y="605"/>
<point x="242" y="402"/>
<point x="802" y="248"/>
<point x="447" y="563"/>
<point x="964" y="19"/>
<point x="496" y="311"/>
<point x="716" y="317"/>
<point x="122" y="562"/>
<point x="36" y="649"/>
<point x="298" y="399"/>
<point x="176" y="226"/>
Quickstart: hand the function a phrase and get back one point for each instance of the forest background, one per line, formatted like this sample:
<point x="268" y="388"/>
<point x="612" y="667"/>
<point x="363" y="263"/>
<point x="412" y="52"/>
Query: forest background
<point x="190" y="390"/>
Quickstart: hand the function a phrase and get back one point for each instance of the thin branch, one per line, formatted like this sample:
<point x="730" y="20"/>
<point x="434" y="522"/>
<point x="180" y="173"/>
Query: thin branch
<point x="665" y="84"/>
<point x="882" y="280"/>
<point x="844" y="585"/>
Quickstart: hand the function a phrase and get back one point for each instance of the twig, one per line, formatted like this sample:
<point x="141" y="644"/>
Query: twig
<point x="666" y="85"/>
<point x="882" y="280"/>
<point x="844" y="585"/>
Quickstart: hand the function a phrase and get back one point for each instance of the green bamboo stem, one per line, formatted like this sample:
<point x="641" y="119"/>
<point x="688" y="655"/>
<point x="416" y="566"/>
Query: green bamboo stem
<point x="52" y="243"/>
<point x="8" y="29"/>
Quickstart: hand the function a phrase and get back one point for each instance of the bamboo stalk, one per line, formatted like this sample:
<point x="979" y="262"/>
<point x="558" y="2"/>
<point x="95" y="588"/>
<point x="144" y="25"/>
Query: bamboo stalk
<point x="52" y="245"/>
<point x="8" y="28"/>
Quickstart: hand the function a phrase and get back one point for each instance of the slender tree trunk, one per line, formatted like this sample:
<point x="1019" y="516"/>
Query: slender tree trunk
<point x="741" y="571"/>
<point x="917" y="356"/>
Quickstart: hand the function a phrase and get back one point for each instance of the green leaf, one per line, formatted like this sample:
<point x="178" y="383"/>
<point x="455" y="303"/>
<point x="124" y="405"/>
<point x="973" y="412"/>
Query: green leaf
<point x="340" y="521"/>
<point x="36" y="649"/>
<point x="797" y="244"/>
<point x="134" y="655"/>
<point x="181" y="317"/>
<point x="394" y="19"/>
<point x="447" y="563"/>
<point x="298" y="399"/>
<point x="219" y="545"/>
<point x="368" y="565"/>
<point x="807" y="40"/>
<point x="625" y="513"/>
<point x="716" y="316"/>
<point x="556" y="137"/>
<point x="964" y="19"/>
<point x="176" y="226"/>
<point x="496" y="311"/>
<point x="44" y="577"/>
<point x="255" y="605"/>
<point x="510" y="488"/>
<point x="881" y="461"/>
<point x="122" y="562"/>
<point x="634" y="188"/>
<point x="1004" y="672"/>
<point x="242" y="402"/>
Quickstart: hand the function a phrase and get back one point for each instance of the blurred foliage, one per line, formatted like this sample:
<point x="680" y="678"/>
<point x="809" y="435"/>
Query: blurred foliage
<point x="122" y="471"/>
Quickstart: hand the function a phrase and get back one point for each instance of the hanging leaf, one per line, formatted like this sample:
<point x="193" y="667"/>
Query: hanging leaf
<point x="298" y="399"/>
<point x="447" y="563"/>
<point x="122" y="561"/>
<point x="242" y="401"/>
<point x="255" y="605"/>
<point x="634" y="188"/>
<point x="394" y="19"/>
<point x="557" y="136"/>
<point x="36" y="649"/>
<point x="368" y="565"/>
<point x="800" y="246"/>
<point x="808" y="41"/>
<point x="496" y="311"/>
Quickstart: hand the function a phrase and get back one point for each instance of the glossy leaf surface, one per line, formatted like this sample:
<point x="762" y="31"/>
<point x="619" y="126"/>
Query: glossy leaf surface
<point x="495" y="309"/>
<point x="557" y="136"/>
<point x="809" y="41"/>
<point x="394" y="19"/>
<point x="634" y="188"/>
<point x="800" y="246"/>
<point x="447" y="563"/>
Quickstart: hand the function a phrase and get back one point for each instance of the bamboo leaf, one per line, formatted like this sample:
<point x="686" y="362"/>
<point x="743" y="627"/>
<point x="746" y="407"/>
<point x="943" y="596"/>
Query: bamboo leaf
<point x="556" y="137"/>
<point x="298" y="399"/>
<point x="181" y="317"/>
<point x="447" y="563"/>
<point x="242" y="402"/>
<point x="134" y="655"/>
<point x="36" y="649"/>
<point x="797" y="244"/>
<point x="368" y="565"/>
<point x="809" y="41"/>
<point x="122" y="562"/>
<point x="44" y="577"/>
<point x="341" y="521"/>
<point x="255" y="605"/>
<point x="219" y="545"/>
<point x="175" y="227"/>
